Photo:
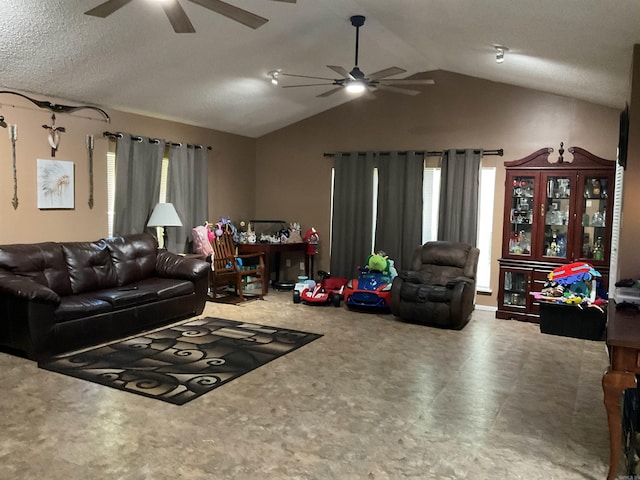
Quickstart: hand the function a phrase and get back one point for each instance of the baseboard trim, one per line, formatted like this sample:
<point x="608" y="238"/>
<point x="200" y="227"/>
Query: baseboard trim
<point x="487" y="308"/>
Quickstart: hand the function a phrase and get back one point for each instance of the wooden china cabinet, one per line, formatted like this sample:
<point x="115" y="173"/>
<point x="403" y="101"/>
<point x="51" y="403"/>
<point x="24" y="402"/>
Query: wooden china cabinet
<point x="557" y="211"/>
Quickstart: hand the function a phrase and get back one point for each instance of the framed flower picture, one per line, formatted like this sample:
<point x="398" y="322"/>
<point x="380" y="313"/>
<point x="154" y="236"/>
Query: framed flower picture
<point x="55" y="184"/>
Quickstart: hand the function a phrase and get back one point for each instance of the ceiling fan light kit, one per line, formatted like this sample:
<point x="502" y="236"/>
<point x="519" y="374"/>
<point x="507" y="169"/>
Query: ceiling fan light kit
<point x="356" y="81"/>
<point x="178" y="17"/>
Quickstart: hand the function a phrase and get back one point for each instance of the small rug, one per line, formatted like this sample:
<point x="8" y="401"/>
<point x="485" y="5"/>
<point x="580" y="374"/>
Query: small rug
<point x="182" y="362"/>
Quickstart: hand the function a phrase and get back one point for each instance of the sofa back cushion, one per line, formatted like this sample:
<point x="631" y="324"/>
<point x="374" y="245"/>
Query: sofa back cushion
<point x="89" y="265"/>
<point x="133" y="256"/>
<point x="43" y="263"/>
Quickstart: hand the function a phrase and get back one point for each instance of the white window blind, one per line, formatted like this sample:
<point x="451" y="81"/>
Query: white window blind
<point x="616" y="223"/>
<point x="485" y="227"/>
<point x="431" y="204"/>
<point x="111" y="190"/>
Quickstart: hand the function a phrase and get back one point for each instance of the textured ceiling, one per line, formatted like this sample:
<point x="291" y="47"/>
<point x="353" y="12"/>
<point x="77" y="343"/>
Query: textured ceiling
<point x="218" y="77"/>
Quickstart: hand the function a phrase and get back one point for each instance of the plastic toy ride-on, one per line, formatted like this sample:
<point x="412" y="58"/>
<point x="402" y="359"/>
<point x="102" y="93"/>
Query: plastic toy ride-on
<point x="372" y="288"/>
<point x="330" y="290"/>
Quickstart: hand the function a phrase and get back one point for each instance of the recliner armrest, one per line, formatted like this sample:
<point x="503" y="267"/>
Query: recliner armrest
<point x="452" y="283"/>
<point x="26" y="288"/>
<point x="410" y="276"/>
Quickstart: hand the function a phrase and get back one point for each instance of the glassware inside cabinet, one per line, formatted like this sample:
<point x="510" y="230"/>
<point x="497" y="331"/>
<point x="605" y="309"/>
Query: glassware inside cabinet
<point x="515" y="289"/>
<point x="521" y="216"/>
<point x="594" y="217"/>
<point x="556" y="221"/>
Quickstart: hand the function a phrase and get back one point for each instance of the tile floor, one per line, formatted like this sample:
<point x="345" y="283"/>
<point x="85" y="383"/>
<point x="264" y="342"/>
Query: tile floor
<point x="373" y="399"/>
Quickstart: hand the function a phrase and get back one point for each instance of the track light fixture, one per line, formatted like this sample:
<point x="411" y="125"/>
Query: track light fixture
<point x="500" y="53"/>
<point x="275" y="76"/>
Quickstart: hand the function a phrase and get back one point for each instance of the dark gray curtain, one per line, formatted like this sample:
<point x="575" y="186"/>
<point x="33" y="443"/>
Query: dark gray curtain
<point x="138" y="170"/>
<point x="187" y="190"/>
<point x="351" y="227"/>
<point x="459" y="186"/>
<point x="399" y="217"/>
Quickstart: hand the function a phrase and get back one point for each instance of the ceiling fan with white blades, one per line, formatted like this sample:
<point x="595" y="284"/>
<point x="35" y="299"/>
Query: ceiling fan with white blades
<point x="178" y="18"/>
<point x="357" y="81"/>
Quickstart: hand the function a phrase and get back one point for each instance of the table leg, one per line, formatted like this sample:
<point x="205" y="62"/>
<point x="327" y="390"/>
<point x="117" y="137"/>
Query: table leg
<point x="613" y="384"/>
<point x="266" y="275"/>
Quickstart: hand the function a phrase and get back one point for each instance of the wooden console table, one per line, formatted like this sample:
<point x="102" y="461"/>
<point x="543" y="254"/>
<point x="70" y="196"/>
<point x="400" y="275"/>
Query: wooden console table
<point x="623" y="343"/>
<point x="276" y="250"/>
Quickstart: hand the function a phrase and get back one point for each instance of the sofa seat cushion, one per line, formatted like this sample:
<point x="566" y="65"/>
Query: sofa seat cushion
<point x="129" y="296"/>
<point x="145" y="291"/>
<point x="415" y="292"/>
<point x="168" y="287"/>
<point x="82" y="305"/>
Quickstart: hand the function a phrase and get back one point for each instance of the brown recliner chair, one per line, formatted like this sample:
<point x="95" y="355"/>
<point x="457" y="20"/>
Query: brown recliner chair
<point x="440" y="288"/>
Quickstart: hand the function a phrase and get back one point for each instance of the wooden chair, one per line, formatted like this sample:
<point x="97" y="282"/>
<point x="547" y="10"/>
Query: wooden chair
<point x="226" y="270"/>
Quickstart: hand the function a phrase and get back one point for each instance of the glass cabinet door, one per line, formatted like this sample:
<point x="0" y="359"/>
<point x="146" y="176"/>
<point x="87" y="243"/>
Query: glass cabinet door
<point x="556" y="210"/>
<point x="521" y="216"/>
<point x="515" y="289"/>
<point x="594" y="218"/>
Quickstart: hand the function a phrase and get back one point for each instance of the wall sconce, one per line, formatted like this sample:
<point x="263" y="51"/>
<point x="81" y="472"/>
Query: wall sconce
<point x="500" y="53"/>
<point x="275" y="76"/>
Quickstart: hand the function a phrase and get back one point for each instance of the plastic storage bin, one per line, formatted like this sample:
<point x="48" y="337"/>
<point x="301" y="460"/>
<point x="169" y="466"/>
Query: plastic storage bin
<point x="587" y="323"/>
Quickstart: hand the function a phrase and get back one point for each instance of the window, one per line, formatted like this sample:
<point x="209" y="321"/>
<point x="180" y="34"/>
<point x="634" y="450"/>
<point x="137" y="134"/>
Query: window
<point x="431" y="206"/>
<point x="431" y="202"/>
<point x="485" y="227"/>
<point x="111" y="190"/>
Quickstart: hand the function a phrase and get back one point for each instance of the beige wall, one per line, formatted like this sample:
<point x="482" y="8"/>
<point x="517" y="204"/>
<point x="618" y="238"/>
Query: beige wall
<point x="629" y="259"/>
<point x="293" y="177"/>
<point x="231" y="167"/>
<point x="284" y="175"/>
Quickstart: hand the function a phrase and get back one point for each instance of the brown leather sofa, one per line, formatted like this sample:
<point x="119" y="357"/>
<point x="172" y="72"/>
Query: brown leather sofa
<point x="57" y="297"/>
<point x="440" y="288"/>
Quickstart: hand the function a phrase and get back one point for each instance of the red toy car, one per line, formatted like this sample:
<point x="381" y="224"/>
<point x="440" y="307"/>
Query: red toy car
<point x="370" y="291"/>
<point x="328" y="290"/>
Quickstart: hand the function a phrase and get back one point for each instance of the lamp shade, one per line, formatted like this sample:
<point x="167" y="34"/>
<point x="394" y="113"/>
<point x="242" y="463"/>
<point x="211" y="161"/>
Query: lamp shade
<point x="164" y="215"/>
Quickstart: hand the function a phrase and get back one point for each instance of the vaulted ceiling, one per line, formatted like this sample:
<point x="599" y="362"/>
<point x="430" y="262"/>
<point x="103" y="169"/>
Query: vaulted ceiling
<point x="218" y="77"/>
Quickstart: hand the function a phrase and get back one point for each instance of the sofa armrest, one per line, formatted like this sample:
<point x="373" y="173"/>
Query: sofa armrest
<point x="23" y="287"/>
<point x="171" y="265"/>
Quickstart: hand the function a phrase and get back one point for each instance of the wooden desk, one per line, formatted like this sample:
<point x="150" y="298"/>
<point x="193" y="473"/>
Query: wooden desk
<point x="623" y="343"/>
<point x="276" y="250"/>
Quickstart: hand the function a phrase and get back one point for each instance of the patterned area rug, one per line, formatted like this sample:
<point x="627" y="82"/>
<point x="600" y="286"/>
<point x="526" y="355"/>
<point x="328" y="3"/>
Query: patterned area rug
<point x="182" y="362"/>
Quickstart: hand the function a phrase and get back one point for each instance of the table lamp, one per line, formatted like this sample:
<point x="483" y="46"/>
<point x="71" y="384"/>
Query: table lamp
<point x="164" y="215"/>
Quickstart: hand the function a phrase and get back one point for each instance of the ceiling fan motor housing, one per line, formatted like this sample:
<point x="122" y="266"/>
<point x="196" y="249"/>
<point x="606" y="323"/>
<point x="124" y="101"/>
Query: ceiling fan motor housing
<point x="357" y="20"/>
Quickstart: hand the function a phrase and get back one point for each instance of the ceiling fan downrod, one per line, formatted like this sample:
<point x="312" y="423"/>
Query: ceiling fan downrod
<point x="357" y="21"/>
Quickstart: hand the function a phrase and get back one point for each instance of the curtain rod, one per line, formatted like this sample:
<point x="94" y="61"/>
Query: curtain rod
<point x="499" y="152"/>
<point x="151" y="140"/>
